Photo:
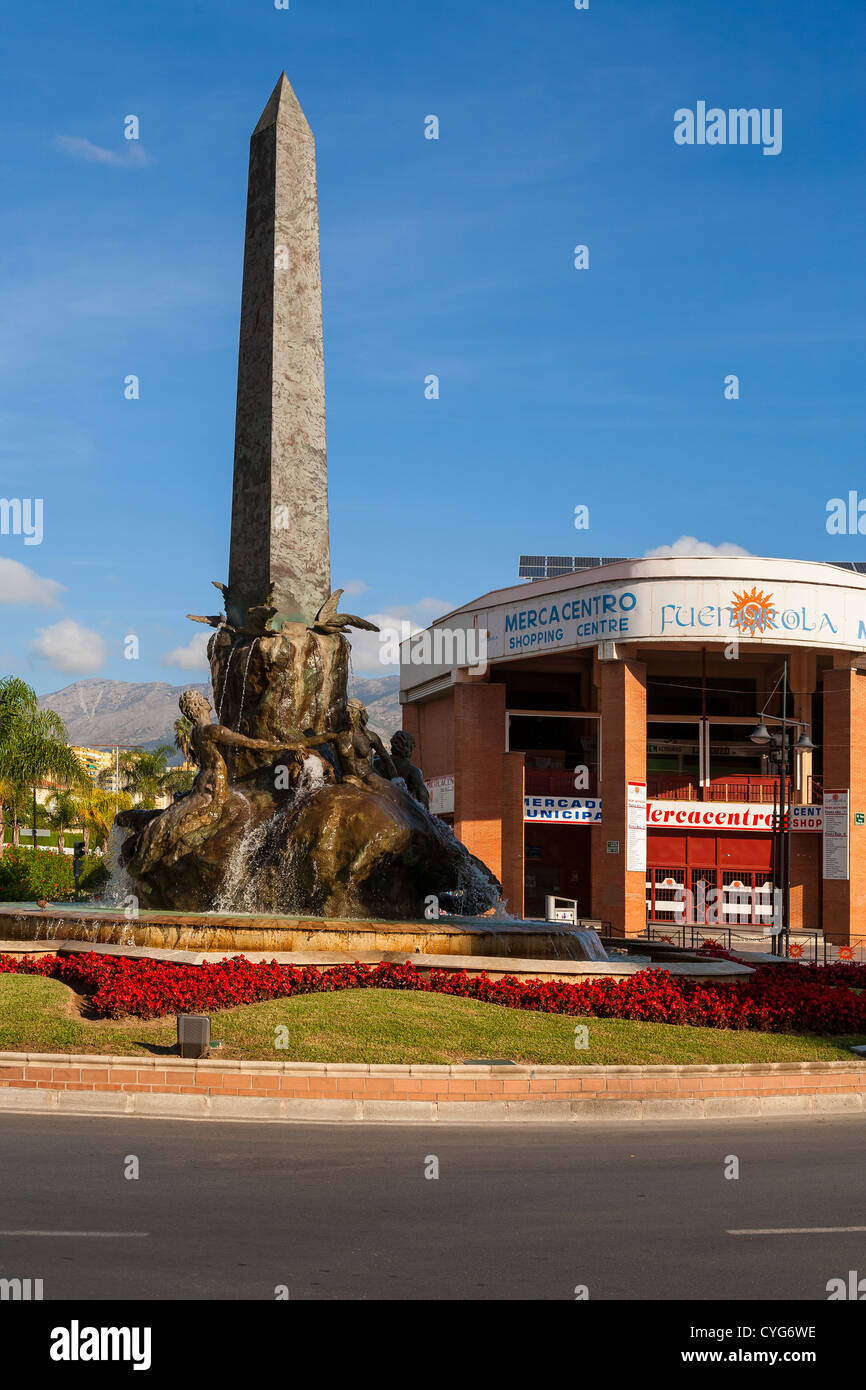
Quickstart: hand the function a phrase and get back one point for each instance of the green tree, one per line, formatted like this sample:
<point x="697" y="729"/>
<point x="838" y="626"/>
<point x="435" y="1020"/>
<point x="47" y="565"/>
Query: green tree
<point x="144" y="774"/>
<point x="179" y="779"/>
<point x="61" y="813"/>
<point x="6" y="791"/>
<point x="95" y="811"/>
<point x="183" y="738"/>
<point x="14" y="806"/>
<point x="33" y="747"/>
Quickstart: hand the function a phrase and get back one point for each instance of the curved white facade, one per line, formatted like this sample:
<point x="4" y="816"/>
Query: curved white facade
<point x="753" y="601"/>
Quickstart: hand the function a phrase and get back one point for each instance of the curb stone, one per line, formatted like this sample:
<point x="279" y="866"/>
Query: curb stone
<point x="266" y="1110"/>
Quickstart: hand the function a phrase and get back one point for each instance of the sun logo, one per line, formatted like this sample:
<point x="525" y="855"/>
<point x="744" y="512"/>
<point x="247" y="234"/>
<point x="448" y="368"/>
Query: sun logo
<point x="752" y="611"/>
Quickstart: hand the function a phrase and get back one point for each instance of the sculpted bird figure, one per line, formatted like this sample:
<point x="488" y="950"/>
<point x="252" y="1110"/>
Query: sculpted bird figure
<point x="329" y="621"/>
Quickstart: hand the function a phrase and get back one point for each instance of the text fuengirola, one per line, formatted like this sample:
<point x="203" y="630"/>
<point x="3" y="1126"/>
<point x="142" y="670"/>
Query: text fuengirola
<point x="790" y="619"/>
<point x="611" y="614"/>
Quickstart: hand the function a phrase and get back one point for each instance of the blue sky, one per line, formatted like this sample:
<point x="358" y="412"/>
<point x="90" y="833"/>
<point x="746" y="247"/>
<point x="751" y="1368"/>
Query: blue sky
<point x="558" y="387"/>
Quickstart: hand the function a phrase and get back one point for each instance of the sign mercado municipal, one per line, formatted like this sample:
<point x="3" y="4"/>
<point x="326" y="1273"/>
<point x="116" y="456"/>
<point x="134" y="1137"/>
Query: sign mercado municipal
<point x="672" y="815"/>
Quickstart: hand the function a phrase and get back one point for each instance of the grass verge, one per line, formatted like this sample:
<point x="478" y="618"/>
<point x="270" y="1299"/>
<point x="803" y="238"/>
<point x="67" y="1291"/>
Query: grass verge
<point x="389" y="1026"/>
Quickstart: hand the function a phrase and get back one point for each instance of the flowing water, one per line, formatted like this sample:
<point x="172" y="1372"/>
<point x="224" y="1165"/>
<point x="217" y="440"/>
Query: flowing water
<point x="578" y="944"/>
<point x="239" y="891"/>
<point x="225" y="685"/>
<point x="119" y="891"/>
<point x="120" y="886"/>
<point x="244" y="685"/>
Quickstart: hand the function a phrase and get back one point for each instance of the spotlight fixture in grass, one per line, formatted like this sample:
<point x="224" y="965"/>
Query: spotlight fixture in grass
<point x="193" y="1035"/>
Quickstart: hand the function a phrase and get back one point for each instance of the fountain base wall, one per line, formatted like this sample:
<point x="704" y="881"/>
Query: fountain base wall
<point x="225" y="932"/>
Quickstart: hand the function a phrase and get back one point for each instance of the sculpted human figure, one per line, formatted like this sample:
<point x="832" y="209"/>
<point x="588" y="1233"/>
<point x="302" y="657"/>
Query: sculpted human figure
<point x="167" y="835"/>
<point x="357" y="746"/>
<point x="402" y="747"/>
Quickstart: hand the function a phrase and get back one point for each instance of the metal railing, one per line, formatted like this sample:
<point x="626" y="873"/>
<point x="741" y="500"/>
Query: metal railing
<point x="555" y="781"/>
<point x="807" y="945"/>
<point x="674" y="786"/>
<point x="667" y="786"/>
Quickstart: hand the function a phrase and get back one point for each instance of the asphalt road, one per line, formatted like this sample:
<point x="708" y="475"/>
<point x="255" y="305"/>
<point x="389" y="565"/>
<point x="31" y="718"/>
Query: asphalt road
<point x="231" y="1211"/>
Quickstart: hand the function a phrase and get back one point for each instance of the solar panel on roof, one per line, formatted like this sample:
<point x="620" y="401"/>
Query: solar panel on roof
<point x="857" y="566"/>
<point x="555" y="566"/>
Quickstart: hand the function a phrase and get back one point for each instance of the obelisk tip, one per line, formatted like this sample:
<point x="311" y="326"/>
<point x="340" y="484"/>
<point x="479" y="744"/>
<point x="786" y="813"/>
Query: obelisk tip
<point x="282" y="106"/>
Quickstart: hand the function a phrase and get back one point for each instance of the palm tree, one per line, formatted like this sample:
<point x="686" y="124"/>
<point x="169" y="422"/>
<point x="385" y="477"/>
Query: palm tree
<point x="7" y="792"/>
<point x="183" y="738"/>
<point x="178" y="779"/>
<point x="95" y="811"/>
<point x="61" y="813"/>
<point x="33" y="746"/>
<point x="14" y="805"/>
<point x="144" y="774"/>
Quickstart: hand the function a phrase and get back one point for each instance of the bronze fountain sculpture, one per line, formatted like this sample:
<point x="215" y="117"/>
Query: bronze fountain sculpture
<point x="323" y="822"/>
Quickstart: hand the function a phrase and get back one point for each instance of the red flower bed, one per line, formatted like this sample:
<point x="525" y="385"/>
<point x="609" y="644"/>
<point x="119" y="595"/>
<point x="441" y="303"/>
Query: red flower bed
<point x="776" y="998"/>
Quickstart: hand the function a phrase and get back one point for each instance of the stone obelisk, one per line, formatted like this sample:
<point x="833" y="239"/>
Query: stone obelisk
<point x="279" y="534"/>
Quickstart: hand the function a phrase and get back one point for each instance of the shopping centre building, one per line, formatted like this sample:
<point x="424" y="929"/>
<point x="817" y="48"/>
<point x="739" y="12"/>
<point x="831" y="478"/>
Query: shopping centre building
<point x="589" y="736"/>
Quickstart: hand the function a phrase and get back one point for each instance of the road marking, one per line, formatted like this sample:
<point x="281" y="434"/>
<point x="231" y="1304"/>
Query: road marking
<point x="115" y="1235"/>
<point x="801" y="1231"/>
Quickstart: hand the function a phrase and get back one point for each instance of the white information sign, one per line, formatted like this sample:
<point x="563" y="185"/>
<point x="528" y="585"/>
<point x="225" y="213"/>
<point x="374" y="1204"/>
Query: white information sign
<point x="441" y="791"/>
<point x="836" y="834"/>
<point x="635" y="844"/>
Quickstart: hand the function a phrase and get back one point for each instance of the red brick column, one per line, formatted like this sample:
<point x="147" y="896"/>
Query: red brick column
<point x="479" y="750"/>
<point x="845" y="766"/>
<point x="412" y="724"/>
<point x="513" y="783"/>
<point x="619" y="896"/>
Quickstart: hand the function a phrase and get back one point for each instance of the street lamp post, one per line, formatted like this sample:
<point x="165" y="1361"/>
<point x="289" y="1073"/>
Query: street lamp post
<point x="781" y="747"/>
<point x="783" y="824"/>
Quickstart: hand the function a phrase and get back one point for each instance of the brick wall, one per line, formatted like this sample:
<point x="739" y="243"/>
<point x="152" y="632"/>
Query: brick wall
<point x="513" y="782"/>
<point x="845" y="766"/>
<point x="432" y="723"/>
<point x="619" y="896"/>
<point x="479" y="744"/>
<point x="167" y="1086"/>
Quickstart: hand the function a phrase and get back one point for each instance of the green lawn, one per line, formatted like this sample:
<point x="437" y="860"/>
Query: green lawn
<point x="372" y="1025"/>
<point x="46" y="841"/>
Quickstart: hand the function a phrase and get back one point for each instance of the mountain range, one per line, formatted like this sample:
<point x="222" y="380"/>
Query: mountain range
<point x="142" y="714"/>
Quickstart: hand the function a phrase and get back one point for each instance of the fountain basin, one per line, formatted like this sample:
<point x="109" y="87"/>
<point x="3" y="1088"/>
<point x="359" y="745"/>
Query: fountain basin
<point x="527" y="949"/>
<point x="219" y="931"/>
<point x="494" y="967"/>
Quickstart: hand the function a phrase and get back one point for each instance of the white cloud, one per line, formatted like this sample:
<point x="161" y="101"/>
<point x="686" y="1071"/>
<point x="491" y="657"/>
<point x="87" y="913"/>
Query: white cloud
<point x="370" y="651"/>
<point x="192" y="657"/>
<point x="18" y="584"/>
<point x="67" y="646"/>
<point x="355" y="586"/>
<point x="690" y="545"/>
<point x="81" y="148"/>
